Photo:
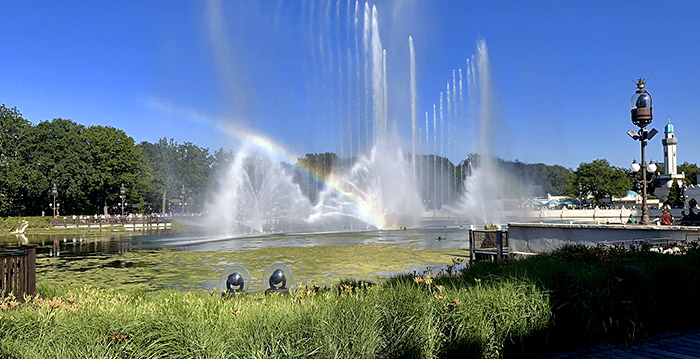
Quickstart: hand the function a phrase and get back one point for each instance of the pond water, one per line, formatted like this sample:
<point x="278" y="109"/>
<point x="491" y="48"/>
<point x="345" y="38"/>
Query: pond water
<point x="195" y="261"/>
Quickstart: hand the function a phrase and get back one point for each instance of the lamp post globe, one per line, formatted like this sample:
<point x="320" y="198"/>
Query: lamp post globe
<point x="635" y="167"/>
<point x="651" y="167"/>
<point x="641" y="104"/>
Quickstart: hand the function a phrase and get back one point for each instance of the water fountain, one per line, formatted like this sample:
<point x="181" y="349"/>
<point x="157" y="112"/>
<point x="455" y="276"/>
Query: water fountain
<point x="381" y="185"/>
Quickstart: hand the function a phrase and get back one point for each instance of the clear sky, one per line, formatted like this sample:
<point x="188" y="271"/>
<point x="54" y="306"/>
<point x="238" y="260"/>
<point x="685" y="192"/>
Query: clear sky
<point x="562" y="71"/>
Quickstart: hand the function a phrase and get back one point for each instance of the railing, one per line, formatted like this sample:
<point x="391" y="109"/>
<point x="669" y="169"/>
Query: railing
<point x="145" y="223"/>
<point x="18" y="271"/>
<point x="488" y="244"/>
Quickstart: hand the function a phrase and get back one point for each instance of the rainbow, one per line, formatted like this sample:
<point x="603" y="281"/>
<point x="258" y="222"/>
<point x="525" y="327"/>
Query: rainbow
<point x="273" y="150"/>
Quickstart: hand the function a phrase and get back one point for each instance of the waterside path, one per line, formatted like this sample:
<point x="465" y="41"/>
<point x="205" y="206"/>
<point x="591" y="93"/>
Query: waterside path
<point x="672" y="345"/>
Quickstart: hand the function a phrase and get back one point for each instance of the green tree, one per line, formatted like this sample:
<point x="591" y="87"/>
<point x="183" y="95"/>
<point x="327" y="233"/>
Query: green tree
<point x="13" y="161"/>
<point x="194" y="167"/>
<point x="553" y="179"/>
<point x="58" y="155"/>
<point x="161" y="163"/>
<point x="319" y="165"/>
<point x="675" y="196"/>
<point x="691" y="171"/>
<point x="600" y="180"/>
<point x="114" y="160"/>
<point x="222" y="159"/>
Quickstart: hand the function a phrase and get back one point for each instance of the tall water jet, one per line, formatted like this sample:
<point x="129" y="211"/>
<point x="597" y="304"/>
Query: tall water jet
<point x="435" y="158"/>
<point x="482" y="199"/>
<point x="378" y="88"/>
<point x="412" y="55"/>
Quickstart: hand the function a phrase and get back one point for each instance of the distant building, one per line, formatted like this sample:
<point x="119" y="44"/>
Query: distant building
<point x="670" y="164"/>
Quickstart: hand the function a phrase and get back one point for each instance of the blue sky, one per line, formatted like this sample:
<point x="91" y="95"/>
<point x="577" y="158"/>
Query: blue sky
<point x="562" y="72"/>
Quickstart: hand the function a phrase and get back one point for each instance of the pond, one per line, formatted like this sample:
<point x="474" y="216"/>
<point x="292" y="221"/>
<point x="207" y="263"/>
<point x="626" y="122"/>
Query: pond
<point x="195" y="261"/>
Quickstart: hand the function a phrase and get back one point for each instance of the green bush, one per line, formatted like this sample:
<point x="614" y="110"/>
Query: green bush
<point x="613" y="295"/>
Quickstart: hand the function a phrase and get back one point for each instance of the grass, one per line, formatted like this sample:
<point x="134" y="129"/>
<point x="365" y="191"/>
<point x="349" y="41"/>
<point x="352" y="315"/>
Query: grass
<point x="575" y="297"/>
<point x="8" y="224"/>
<point x="613" y="295"/>
<point x="41" y="225"/>
<point x="400" y="318"/>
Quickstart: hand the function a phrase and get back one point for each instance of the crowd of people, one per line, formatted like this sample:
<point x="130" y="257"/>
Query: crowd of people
<point x="691" y="217"/>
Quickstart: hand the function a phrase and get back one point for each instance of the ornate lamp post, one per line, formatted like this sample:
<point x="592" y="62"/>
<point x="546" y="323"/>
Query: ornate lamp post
<point x="641" y="117"/>
<point x="182" y="196"/>
<point x="54" y="192"/>
<point x="580" y="197"/>
<point x="646" y="179"/>
<point x="122" y="195"/>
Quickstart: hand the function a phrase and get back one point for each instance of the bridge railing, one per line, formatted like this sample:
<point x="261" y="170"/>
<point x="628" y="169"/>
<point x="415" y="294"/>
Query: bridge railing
<point x="99" y="222"/>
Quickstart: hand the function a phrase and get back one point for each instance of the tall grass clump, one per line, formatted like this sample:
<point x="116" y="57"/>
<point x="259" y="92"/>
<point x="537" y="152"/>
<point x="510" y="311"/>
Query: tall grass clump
<point x="407" y="317"/>
<point x="608" y="295"/>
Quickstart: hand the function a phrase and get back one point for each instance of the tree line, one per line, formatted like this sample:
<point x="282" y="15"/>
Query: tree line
<point x="89" y="165"/>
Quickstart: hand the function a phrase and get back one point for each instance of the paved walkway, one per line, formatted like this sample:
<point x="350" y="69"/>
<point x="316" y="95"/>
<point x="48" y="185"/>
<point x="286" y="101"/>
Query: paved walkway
<point x="684" y="345"/>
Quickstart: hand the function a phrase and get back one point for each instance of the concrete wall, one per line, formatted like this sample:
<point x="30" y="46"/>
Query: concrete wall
<point x="546" y="237"/>
<point x="620" y="215"/>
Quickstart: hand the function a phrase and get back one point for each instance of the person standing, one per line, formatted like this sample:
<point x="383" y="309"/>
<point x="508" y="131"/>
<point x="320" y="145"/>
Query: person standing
<point x="666" y="218"/>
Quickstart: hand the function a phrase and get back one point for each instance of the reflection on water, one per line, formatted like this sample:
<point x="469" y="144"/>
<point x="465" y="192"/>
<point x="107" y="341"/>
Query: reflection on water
<point x="433" y="238"/>
<point x="57" y="245"/>
<point x="188" y="261"/>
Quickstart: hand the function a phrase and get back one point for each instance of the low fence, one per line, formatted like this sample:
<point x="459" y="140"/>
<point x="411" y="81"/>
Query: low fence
<point x="129" y="223"/>
<point x="488" y="244"/>
<point x="18" y="271"/>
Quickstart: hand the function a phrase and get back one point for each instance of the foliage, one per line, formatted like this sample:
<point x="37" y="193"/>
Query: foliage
<point x="59" y="155"/>
<point x="572" y="298"/>
<point x="543" y="179"/>
<point x="600" y="180"/>
<point x="8" y="224"/>
<point x="403" y="318"/>
<point x="612" y="295"/>
<point x="161" y="159"/>
<point x="174" y="166"/>
<point x="115" y="161"/>
<point x="691" y="171"/>
<point x="675" y="196"/>
<point x="194" y="166"/>
<point x="13" y="160"/>
<point x="88" y="165"/>
<point x="319" y="165"/>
